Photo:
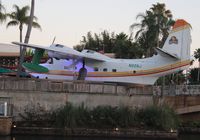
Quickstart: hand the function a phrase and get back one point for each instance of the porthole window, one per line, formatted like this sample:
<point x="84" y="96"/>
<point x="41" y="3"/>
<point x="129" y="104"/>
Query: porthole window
<point x="96" y="69"/>
<point x="114" y="70"/>
<point x="105" y="69"/>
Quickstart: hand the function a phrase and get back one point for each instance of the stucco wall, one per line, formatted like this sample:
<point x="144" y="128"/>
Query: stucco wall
<point x="53" y="94"/>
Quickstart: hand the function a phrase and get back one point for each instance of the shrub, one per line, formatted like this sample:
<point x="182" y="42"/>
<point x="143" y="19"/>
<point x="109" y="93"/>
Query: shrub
<point x="158" y="117"/>
<point x="70" y="116"/>
<point x="36" y="115"/>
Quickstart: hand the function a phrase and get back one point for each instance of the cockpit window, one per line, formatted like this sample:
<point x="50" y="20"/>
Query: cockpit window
<point x="59" y="46"/>
<point x="50" y="61"/>
<point x="90" y="51"/>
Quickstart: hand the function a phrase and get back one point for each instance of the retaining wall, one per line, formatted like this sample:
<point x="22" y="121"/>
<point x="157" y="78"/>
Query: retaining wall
<point x="50" y="94"/>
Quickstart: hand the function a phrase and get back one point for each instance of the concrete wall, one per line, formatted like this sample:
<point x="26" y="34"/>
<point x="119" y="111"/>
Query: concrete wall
<point x="53" y="94"/>
<point x="180" y="101"/>
<point x="50" y="95"/>
<point x="12" y="84"/>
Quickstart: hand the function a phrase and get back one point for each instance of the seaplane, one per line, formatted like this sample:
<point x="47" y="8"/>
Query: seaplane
<point x="67" y="63"/>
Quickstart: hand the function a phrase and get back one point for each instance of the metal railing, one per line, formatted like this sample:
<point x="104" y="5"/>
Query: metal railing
<point x="177" y="90"/>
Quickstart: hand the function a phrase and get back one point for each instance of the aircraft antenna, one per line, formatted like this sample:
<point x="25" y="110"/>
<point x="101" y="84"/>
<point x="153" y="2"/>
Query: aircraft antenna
<point x="53" y="40"/>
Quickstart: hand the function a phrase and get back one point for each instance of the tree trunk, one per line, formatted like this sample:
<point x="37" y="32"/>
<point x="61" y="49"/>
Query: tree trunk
<point x="26" y="37"/>
<point x="20" y="51"/>
<point x="30" y="22"/>
<point x="20" y="30"/>
<point x="198" y="72"/>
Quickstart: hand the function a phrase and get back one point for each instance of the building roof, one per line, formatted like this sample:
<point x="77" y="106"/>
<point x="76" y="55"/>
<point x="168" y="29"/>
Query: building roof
<point x="8" y="50"/>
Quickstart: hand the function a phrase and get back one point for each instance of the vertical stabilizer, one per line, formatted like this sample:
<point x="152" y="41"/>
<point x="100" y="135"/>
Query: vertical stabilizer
<point x="179" y="40"/>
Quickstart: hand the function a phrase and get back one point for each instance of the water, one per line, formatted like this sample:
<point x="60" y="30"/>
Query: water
<point x="31" y="137"/>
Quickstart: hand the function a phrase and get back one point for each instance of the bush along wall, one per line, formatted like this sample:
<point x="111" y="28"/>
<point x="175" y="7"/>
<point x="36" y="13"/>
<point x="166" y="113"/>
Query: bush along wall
<point x="70" y="116"/>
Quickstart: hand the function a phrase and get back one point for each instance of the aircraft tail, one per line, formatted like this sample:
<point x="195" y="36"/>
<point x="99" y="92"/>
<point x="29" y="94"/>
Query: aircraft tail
<point x="178" y="42"/>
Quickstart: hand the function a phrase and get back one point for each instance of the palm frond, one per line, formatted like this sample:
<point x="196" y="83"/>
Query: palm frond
<point x="12" y="23"/>
<point x="2" y="18"/>
<point x="25" y="10"/>
<point x="140" y="15"/>
<point x="16" y="8"/>
<point x="135" y="25"/>
<point x="35" y="18"/>
<point x="36" y="25"/>
<point x="2" y="13"/>
<point x="11" y="15"/>
<point x="138" y="33"/>
<point x="2" y="8"/>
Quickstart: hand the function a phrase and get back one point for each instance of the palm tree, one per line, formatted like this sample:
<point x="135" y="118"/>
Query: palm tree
<point x="164" y="21"/>
<point x="30" y="22"/>
<point x="197" y="56"/>
<point x="20" y="17"/>
<point x="2" y="13"/>
<point x="153" y="28"/>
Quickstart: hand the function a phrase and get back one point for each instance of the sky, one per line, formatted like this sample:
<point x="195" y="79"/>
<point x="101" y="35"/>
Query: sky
<point x="69" y="20"/>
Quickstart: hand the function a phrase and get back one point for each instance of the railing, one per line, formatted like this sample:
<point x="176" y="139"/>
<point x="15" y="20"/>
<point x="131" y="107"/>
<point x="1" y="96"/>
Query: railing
<point x="46" y="85"/>
<point x="177" y="90"/>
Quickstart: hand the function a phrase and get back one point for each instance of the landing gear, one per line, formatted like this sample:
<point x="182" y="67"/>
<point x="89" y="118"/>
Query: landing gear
<point x="82" y="72"/>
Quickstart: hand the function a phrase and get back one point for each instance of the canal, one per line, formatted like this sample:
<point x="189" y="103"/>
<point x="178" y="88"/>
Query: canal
<point x="32" y="137"/>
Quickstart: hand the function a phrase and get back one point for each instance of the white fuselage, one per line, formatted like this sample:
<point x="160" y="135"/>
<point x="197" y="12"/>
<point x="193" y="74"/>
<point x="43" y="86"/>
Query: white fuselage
<point x="139" y="71"/>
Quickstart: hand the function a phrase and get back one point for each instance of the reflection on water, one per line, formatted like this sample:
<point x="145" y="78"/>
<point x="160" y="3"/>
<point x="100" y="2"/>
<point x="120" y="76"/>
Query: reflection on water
<point x="23" y="137"/>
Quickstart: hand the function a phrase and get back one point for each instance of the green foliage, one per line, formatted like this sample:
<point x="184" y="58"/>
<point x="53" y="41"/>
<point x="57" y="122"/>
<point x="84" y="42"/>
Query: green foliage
<point x="111" y="117"/>
<point x="102" y="116"/>
<point x="191" y="123"/>
<point x="193" y="76"/>
<point x="72" y="116"/>
<point x="29" y="52"/>
<point x="36" y="115"/>
<point x="152" y="31"/>
<point x="120" y="44"/>
<point x="153" y="28"/>
<point x="153" y="117"/>
<point x="99" y="117"/>
<point x="175" y="78"/>
<point x="19" y="17"/>
<point x="158" y="117"/>
<point x="2" y="13"/>
<point x="97" y="42"/>
<point x="197" y="54"/>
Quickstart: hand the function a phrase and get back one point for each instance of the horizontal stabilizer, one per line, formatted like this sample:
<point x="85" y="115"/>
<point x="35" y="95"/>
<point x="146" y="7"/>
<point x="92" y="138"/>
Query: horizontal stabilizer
<point x="166" y="54"/>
